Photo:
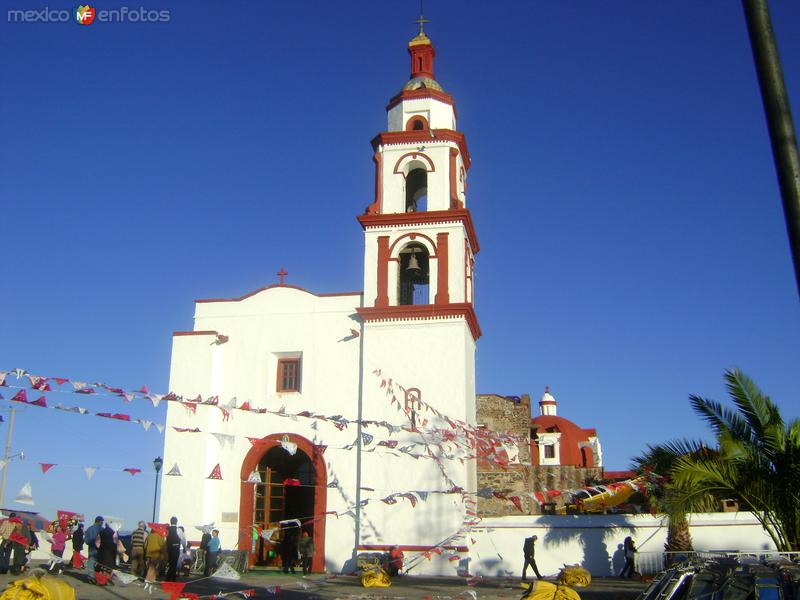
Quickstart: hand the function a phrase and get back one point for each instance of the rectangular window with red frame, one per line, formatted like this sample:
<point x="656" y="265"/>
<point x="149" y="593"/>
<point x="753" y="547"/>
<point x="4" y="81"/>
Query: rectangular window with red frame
<point x="288" y="375"/>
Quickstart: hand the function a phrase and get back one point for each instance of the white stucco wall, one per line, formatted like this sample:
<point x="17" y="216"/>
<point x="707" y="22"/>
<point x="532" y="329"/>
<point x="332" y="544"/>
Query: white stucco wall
<point x="594" y="541"/>
<point x="439" y="115"/>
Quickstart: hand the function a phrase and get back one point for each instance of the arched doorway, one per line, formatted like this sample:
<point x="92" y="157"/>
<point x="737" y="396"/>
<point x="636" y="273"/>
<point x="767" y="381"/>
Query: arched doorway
<point x="294" y="487"/>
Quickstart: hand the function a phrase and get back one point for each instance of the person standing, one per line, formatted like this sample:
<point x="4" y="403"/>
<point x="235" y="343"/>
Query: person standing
<point x="305" y="547"/>
<point x="529" y="551"/>
<point x="57" y="545"/>
<point x="155" y="552"/>
<point x="107" y="551"/>
<point x="137" y="550"/>
<point x="629" y="547"/>
<point x="6" y="529"/>
<point x="92" y="539"/>
<point x="173" y="549"/>
<point x="77" y="547"/>
<point x="202" y="552"/>
<point x="21" y="540"/>
<point x="289" y="547"/>
<point x="213" y="549"/>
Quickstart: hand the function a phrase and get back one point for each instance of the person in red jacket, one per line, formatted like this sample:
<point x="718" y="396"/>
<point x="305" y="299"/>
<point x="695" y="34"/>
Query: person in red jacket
<point x="395" y="561"/>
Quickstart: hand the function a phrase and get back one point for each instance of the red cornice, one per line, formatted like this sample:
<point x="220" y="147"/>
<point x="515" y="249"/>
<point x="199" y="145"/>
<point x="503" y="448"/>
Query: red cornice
<point x="424" y="137"/>
<point x="419" y="94"/>
<point x="421" y="218"/>
<point x="423" y="311"/>
<point x="177" y="333"/>
<point x="277" y="285"/>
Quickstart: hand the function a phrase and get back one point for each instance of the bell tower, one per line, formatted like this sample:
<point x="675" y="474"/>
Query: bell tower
<point x="420" y="325"/>
<point x="420" y="239"/>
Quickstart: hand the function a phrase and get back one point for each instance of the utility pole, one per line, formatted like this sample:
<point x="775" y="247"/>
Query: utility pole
<point x="779" y="119"/>
<point x="7" y="454"/>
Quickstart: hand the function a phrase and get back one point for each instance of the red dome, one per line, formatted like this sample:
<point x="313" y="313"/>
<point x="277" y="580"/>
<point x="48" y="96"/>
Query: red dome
<point x="571" y="435"/>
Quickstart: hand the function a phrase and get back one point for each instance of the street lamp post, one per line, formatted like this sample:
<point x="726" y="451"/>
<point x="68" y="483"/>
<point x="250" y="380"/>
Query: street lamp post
<point x="157" y="463"/>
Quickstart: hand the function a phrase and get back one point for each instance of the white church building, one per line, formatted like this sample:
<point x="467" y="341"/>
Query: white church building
<point x="348" y="411"/>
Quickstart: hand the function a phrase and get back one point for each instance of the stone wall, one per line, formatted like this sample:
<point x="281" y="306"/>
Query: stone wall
<point x="512" y="415"/>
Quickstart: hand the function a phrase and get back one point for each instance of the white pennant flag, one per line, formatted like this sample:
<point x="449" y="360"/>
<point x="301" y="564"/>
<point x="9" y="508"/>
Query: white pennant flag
<point x="255" y="477"/>
<point x="208" y="528"/>
<point x="145" y="423"/>
<point x="160" y="427"/>
<point x="315" y="425"/>
<point x="20" y="373"/>
<point x="266" y="534"/>
<point x="225" y="571"/>
<point x="89" y="471"/>
<point x="290" y="447"/>
<point x="78" y="385"/>
<point x="230" y="404"/>
<point x="155" y="399"/>
<point x="175" y="471"/>
<point x="25" y="495"/>
<point x="128" y="396"/>
<point x="124" y="578"/>
<point x="3" y="463"/>
<point x="225" y="439"/>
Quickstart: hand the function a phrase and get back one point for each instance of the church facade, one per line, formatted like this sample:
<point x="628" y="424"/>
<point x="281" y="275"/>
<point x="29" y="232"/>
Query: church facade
<point x="347" y="413"/>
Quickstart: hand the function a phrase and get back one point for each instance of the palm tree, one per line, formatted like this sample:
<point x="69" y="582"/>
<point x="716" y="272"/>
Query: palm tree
<point x="756" y="462"/>
<point x="656" y="464"/>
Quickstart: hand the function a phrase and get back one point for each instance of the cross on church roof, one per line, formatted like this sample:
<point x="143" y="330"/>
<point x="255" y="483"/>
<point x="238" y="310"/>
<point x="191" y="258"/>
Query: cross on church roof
<point x="422" y="20"/>
<point x="282" y="275"/>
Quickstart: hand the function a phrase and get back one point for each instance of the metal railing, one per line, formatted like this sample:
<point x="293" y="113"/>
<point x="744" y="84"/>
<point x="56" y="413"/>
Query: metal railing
<point x="650" y="563"/>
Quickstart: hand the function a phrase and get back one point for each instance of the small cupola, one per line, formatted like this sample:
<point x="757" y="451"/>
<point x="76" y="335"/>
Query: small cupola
<point x="547" y="405"/>
<point x="422" y="54"/>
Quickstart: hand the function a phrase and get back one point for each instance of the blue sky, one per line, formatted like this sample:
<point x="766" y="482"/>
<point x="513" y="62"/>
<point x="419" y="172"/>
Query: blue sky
<point x="623" y="191"/>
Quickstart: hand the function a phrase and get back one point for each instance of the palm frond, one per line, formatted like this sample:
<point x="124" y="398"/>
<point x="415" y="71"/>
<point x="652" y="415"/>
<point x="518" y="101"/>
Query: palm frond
<point x="757" y="408"/>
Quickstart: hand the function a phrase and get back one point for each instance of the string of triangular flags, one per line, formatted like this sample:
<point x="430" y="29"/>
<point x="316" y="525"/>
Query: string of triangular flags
<point x="42" y="384"/>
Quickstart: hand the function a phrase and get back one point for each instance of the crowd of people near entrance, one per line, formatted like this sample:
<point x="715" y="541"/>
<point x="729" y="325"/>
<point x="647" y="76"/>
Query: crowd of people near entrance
<point x="158" y="552"/>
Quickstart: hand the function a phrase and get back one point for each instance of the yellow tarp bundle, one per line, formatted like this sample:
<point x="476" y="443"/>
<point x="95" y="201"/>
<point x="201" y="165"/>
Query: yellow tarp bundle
<point x="38" y="588"/>
<point x="544" y="590"/>
<point x="575" y="576"/>
<point x="373" y="579"/>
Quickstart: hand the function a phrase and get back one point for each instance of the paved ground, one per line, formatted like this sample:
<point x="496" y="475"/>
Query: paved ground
<point x="313" y="587"/>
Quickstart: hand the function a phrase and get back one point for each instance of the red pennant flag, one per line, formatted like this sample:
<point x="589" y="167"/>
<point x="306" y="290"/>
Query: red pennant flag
<point x="20" y="396"/>
<point x="20" y="539"/>
<point x="517" y="502"/>
<point x="86" y="390"/>
<point x="192" y="406"/>
<point x="216" y="473"/>
<point x="47" y="466"/>
<point x="320" y="448"/>
<point x="143" y="390"/>
<point x="132" y="471"/>
<point x="453" y="558"/>
<point x="173" y="588"/>
<point x="60" y="380"/>
<point x="187" y="429"/>
<point x="245" y="406"/>
<point x="42" y="401"/>
<point x="225" y="413"/>
<point x="118" y="416"/>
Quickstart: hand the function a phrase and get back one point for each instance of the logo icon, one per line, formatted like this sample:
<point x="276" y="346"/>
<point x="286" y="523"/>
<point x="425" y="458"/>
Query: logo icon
<point x="84" y="15"/>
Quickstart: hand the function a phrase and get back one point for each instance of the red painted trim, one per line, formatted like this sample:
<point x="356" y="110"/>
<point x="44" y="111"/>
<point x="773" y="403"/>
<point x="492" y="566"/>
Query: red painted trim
<point x="424" y="137"/>
<point x="277" y="285"/>
<point x="413" y="236"/>
<point x="409" y="548"/>
<point x="419" y="218"/>
<point x="424" y="311"/>
<point x="413" y="155"/>
<point x="382" y="299"/>
<point x="376" y="206"/>
<point x="422" y="93"/>
<point x="246" y="500"/>
<point x="454" y="201"/>
<point x="180" y="333"/>
<point x="417" y="119"/>
<point x="442" y="269"/>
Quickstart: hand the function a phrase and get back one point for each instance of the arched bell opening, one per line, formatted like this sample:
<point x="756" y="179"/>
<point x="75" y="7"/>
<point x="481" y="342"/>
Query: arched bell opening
<point x="417" y="190"/>
<point x="414" y="275"/>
